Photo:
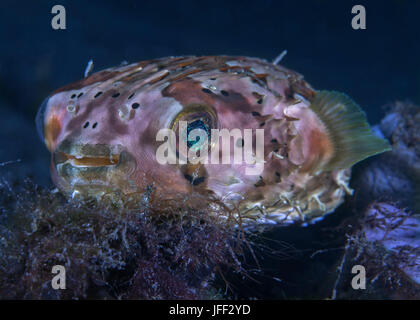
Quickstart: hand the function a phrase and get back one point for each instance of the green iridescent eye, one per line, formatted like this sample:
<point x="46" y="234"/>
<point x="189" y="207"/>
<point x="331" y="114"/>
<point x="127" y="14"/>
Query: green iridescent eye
<point x="199" y="125"/>
<point x="198" y="121"/>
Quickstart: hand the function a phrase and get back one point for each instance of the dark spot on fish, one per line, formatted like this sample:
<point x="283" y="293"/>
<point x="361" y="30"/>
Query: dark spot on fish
<point x="131" y="95"/>
<point x="135" y="105"/>
<point x="256" y="114"/>
<point x="213" y="79"/>
<point x="277" y="177"/>
<point x="262" y="124"/>
<point x="80" y="94"/>
<point x="207" y="90"/>
<point x="276" y="150"/>
<point x="274" y="141"/>
<point x="98" y="94"/>
<point x="258" y="96"/>
<point x="86" y="125"/>
<point x="94" y="125"/>
<point x="194" y="181"/>
<point x="73" y="96"/>
<point x="116" y="95"/>
<point x="225" y="93"/>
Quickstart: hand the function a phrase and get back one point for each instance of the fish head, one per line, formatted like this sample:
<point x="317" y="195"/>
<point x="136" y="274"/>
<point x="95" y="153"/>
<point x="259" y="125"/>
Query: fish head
<point x="103" y="131"/>
<point x="102" y="141"/>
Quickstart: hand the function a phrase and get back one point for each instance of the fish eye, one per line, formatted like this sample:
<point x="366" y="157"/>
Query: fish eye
<point x="198" y="124"/>
<point x="40" y="118"/>
<point x="192" y="120"/>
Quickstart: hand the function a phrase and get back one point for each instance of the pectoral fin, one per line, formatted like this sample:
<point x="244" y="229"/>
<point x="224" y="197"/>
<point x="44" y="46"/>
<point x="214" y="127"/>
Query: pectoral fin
<point x="347" y="127"/>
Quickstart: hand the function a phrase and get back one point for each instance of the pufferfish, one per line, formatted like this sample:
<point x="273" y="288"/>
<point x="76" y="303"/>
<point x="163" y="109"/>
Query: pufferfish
<point x="101" y="132"/>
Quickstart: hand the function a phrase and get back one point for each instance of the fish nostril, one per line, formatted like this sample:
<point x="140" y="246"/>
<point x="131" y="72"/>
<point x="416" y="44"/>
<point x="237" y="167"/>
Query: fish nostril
<point x="74" y="95"/>
<point x="135" y="105"/>
<point x="87" y="125"/>
<point x="98" y="94"/>
<point x="206" y="90"/>
<point x="116" y="95"/>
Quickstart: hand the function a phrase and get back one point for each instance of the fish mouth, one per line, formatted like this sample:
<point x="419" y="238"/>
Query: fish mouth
<point x="93" y="168"/>
<point x="87" y="155"/>
<point x="87" y="161"/>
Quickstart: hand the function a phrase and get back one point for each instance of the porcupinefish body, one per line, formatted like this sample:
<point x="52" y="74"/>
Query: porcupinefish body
<point x="102" y="133"/>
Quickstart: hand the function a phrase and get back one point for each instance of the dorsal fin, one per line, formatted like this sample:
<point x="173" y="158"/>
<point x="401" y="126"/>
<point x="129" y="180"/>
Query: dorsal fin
<point x="350" y="134"/>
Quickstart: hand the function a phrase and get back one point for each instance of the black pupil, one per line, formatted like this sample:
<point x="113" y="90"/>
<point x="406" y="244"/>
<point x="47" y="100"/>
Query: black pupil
<point x="197" y="124"/>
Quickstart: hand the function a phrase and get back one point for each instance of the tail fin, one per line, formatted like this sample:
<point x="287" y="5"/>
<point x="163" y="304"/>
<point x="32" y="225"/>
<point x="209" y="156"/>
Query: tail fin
<point x="350" y="134"/>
